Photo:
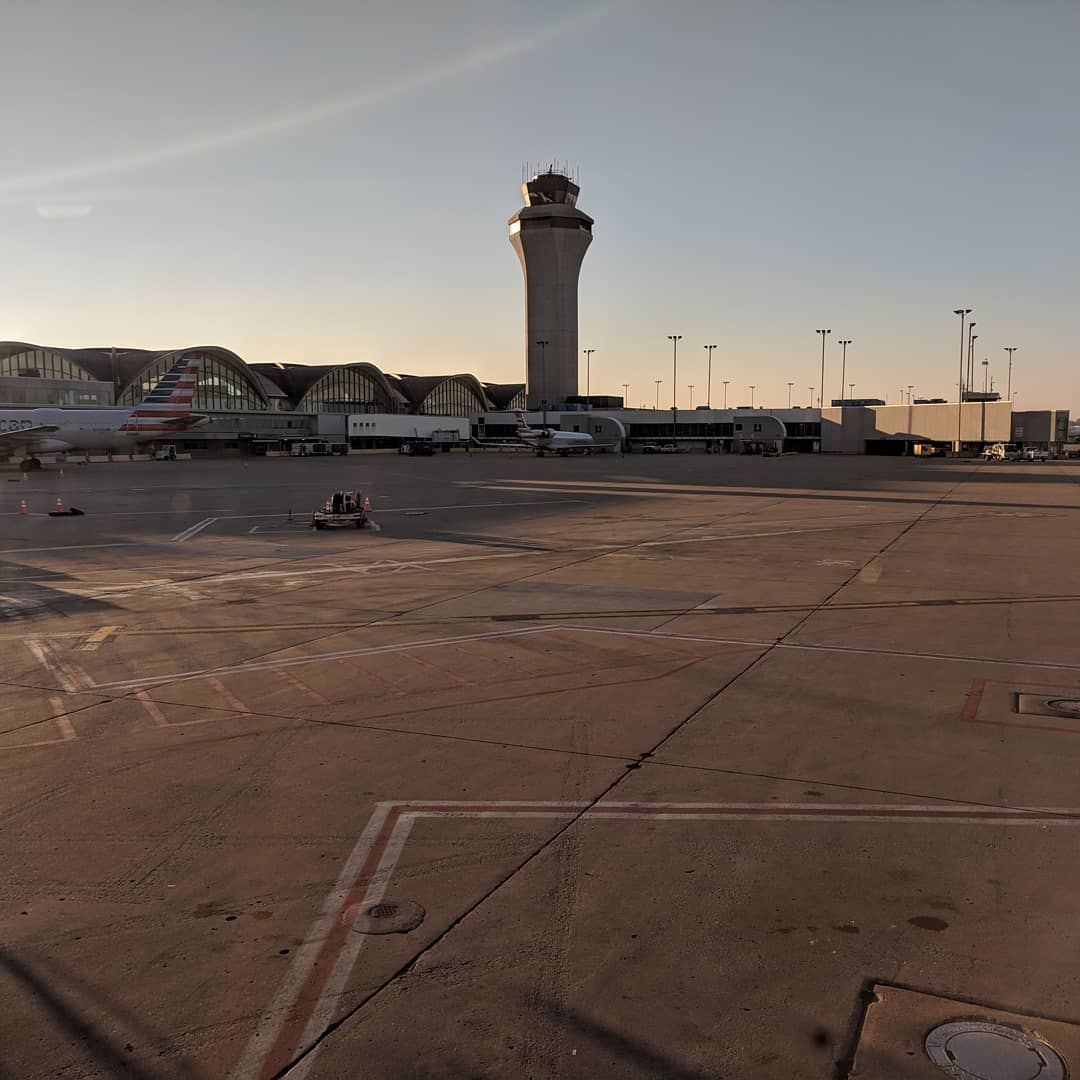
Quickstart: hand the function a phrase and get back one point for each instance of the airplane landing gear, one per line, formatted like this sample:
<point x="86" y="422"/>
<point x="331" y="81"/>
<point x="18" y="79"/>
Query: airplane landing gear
<point x="29" y="464"/>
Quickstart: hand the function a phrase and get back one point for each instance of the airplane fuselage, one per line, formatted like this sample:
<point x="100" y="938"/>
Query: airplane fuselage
<point x="78" y="429"/>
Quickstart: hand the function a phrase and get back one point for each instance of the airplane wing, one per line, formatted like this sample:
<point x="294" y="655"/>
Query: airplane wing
<point x="11" y="441"/>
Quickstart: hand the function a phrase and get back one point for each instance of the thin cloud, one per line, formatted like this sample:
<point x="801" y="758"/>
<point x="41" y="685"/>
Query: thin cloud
<point x="60" y="213"/>
<point x="300" y="119"/>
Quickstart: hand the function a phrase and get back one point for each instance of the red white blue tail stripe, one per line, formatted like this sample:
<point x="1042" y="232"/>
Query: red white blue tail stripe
<point x="169" y="403"/>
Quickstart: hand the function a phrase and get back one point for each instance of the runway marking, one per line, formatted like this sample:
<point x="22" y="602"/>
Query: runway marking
<point x="67" y="729"/>
<point x="304" y="1004"/>
<point x="393" y="565"/>
<point x="382" y="679"/>
<point x="525" y="672"/>
<point x="228" y="696"/>
<point x="193" y="530"/>
<point x="152" y="709"/>
<point x="375" y="650"/>
<point x="301" y="686"/>
<point x="98" y="638"/>
<point x="62" y="672"/>
<point x="459" y="679"/>
<point x="65" y="547"/>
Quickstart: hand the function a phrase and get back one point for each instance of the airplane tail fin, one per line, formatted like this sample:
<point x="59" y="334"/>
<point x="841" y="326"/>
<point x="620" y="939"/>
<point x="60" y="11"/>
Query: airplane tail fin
<point x="522" y="424"/>
<point x="168" y="405"/>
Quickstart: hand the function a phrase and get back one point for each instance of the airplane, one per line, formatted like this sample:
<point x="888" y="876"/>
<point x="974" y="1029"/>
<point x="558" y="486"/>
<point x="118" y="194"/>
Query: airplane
<point x="558" y="442"/>
<point x="165" y="410"/>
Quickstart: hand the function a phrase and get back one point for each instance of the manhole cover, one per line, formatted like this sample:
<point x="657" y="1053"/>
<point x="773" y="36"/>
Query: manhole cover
<point x="1068" y="706"/>
<point x="974" y="1050"/>
<point x="388" y="918"/>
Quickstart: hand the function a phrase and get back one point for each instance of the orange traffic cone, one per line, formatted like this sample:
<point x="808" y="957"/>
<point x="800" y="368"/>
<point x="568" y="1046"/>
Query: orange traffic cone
<point x="367" y="505"/>
<point x="22" y="507"/>
<point x="59" y="505"/>
<point x="61" y="472"/>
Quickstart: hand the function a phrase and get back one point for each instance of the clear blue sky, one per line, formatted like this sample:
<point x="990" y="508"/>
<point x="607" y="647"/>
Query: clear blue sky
<point x="335" y="185"/>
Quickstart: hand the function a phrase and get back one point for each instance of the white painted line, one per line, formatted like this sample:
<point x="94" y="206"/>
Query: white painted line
<point x="65" y="547"/>
<point x="193" y="530"/>
<point x="504" y="505"/>
<point x="43" y="656"/>
<point x="428" y="643"/>
<point x="271" y="665"/>
<point x="323" y="1012"/>
<point x="307" y="954"/>
<point x="305" y="1003"/>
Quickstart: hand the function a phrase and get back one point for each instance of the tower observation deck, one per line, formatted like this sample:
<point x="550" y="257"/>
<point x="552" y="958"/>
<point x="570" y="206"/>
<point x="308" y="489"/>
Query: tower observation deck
<point x="550" y="235"/>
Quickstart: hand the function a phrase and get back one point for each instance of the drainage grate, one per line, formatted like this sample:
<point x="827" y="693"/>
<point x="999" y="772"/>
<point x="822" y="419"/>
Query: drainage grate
<point x="387" y="918"/>
<point x="975" y="1050"/>
<point x="1042" y="705"/>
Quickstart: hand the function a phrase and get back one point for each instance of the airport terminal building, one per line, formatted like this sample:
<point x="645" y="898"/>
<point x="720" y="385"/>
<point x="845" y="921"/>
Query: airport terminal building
<point x="255" y="407"/>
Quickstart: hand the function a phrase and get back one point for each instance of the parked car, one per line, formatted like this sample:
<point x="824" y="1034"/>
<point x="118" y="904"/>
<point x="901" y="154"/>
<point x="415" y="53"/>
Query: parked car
<point x="1034" y="454"/>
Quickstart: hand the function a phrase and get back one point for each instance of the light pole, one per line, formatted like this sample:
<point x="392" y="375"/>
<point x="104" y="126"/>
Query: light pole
<point x="751" y="397"/>
<point x="588" y="357"/>
<point x="726" y="381"/>
<point x="986" y="372"/>
<point x="626" y="395"/>
<point x="543" y="377"/>
<point x="843" y="365"/>
<point x="789" y="386"/>
<point x="691" y="389"/>
<point x="708" y="381"/>
<point x="812" y="398"/>
<point x="674" y="339"/>
<point x="909" y="389"/>
<point x="1010" y="349"/>
<point x="963" y="313"/>
<point x="658" y="382"/>
<point x="851" y="390"/>
<point x="821" y="387"/>
<point x="971" y="352"/>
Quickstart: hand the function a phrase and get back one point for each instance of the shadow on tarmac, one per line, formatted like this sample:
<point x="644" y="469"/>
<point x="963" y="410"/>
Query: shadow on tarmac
<point x="110" y="1057"/>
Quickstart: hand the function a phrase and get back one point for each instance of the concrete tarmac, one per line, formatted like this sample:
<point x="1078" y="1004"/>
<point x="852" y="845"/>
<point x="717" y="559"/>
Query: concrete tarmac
<point x="605" y="767"/>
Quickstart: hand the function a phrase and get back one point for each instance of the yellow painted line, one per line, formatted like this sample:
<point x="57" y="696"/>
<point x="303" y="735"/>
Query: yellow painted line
<point x="98" y="637"/>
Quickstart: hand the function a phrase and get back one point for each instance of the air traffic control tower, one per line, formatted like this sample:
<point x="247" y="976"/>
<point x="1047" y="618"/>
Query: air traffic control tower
<point x="550" y="235"/>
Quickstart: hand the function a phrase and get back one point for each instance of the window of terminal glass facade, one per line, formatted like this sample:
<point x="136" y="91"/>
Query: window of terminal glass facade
<point x="43" y="364"/>
<point x="221" y="388"/>
<point x="452" y="398"/>
<point x="346" y="390"/>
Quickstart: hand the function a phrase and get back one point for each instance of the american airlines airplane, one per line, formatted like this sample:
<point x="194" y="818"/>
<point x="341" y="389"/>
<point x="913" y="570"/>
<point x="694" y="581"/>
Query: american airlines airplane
<point x="164" y="411"/>
<point x="558" y="442"/>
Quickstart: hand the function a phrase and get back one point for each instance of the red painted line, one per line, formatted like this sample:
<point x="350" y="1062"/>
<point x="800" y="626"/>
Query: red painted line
<point x="392" y="686"/>
<point x="152" y="709"/>
<point x="973" y="700"/>
<point x="301" y="686"/>
<point x="460" y="680"/>
<point x="228" y="696"/>
<point x="659" y="650"/>
<point x="525" y="672"/>
<point x="303" y="1007"/>
<point x="288" y="1040"/>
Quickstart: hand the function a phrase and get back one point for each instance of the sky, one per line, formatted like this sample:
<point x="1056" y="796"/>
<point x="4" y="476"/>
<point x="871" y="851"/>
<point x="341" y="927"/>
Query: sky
<point x="335" y="185"/>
